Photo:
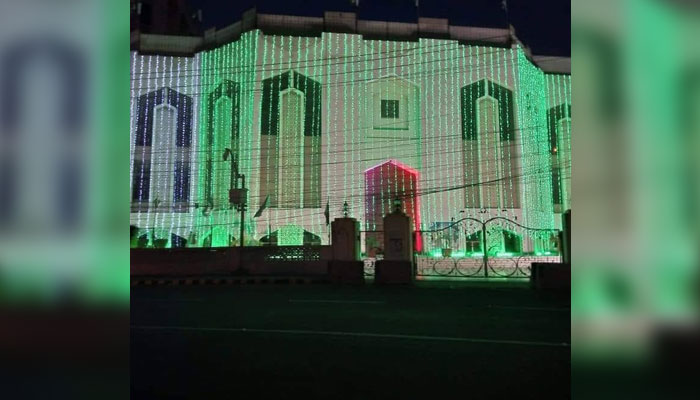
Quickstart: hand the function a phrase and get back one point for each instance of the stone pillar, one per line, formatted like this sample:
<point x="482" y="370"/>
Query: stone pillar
<point x="398" y="237"/>
<point x="345" y="239"/>
<point x="397" y="265"/>
<point x="346" y="265"/>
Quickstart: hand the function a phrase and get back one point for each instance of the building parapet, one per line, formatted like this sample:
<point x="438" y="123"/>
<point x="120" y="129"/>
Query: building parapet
<point x="332" y="21"/>
<point x="553" y="64"/>
<point x="338" y="22"/>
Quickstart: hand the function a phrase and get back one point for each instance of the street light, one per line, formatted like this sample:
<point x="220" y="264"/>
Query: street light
<point x="237" y="197"/>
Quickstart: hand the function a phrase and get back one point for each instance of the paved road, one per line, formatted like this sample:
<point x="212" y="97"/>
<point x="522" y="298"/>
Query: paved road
<point x="436" y="340"/>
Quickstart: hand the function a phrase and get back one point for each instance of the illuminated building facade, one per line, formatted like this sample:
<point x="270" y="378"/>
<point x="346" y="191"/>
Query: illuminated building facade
<point x="455" y="121"/>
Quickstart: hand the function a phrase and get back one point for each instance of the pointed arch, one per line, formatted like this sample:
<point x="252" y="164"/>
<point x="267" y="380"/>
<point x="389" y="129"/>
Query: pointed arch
<point x="498" y="137"/>
<point x="166" y="114"/>
<point x="271" y="148"/>
<point x="222" y="131"/>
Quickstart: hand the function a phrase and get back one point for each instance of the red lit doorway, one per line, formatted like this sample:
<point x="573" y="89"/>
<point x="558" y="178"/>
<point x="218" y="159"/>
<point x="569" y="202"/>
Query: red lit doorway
<point x="384" y="183"/>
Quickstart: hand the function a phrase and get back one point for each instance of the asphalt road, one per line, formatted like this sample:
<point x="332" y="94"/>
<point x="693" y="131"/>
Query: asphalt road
<point x="431" y="341"/>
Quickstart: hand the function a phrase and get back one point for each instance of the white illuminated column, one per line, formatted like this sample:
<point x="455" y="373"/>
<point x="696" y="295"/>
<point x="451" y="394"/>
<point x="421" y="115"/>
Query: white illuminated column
<point x="162" y="165"/>
<point x="291" y="149"/>
<point x="222" y="139"/>
<point x="489" y="164"/>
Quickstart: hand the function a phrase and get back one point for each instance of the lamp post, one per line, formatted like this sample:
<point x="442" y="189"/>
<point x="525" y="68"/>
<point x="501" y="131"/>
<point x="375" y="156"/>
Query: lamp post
<point x="237" y="197"/>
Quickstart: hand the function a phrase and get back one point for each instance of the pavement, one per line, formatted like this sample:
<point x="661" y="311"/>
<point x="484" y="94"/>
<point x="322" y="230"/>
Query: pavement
<point x="433" y="340"/>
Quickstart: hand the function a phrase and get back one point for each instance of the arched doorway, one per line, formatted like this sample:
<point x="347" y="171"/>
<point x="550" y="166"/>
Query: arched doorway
<point x="384" y="183"/>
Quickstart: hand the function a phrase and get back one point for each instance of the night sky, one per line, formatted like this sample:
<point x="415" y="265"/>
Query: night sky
<point x="544" y="25"/>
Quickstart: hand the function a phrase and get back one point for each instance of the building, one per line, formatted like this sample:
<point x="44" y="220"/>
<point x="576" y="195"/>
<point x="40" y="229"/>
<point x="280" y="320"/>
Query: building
<point x="316" y="111"/>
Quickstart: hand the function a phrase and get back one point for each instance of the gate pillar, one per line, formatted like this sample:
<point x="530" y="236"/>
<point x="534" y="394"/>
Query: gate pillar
<point x="346" y="265"/>
<point x="397" y="265"/>
<point x="345" y="239"/>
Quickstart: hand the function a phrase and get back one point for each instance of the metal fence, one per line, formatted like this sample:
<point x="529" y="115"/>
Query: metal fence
<point x="473" y="262"/>
<point x="516" y="266"/>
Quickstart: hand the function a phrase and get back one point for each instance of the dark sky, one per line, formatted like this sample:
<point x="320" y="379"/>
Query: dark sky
<point x="544" y="25"/>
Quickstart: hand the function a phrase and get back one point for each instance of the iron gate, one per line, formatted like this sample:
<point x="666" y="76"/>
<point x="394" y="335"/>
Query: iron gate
<point x="476" y="264"/>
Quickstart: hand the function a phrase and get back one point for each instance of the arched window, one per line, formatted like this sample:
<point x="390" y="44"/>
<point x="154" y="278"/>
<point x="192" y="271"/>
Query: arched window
<point x="221" y="130"/>
<point x="291" y="149"/>
<point x="161" y="159"/>
<point x="489" y="151"/>
<point x="290" y="126"/>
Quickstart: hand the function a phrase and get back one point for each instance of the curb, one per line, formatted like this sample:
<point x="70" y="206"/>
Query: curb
<point x="228" y="281"/>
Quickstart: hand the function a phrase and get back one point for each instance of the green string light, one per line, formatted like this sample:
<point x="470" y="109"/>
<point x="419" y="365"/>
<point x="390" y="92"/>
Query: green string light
<point x="537" y="210"/>
<point x="348" y="69"/>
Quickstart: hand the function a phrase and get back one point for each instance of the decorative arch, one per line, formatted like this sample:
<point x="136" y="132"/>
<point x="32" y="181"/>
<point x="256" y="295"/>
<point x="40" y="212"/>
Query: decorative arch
<point x="144" y="121"/>
<point x="66" y="59"/>
<point x="469" y="96"/>
<point x="384" y="183"/>
<point x="270" y="125"/>
<point x="176" y="169"/>
<point x="216" y="142"/>
<point x="505" y="193"/>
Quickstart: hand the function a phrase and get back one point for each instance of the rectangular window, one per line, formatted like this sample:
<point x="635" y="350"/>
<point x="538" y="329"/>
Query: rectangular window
<point x="390" y="109"/>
